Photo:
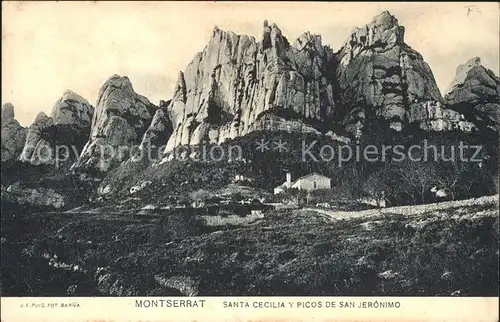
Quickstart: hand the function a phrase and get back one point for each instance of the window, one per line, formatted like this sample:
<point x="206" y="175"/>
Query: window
<point x="314" y="182"/>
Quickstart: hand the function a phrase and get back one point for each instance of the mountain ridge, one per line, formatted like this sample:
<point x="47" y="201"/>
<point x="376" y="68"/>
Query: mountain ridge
<point x="238" y="84"/>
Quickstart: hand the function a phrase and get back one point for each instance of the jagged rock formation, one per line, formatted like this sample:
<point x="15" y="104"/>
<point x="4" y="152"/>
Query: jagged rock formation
<point x="237" y="85"/>
<point x="434" y="116"/>
<point x="69" y="125"/>
<point x="157" y="134"/>
<point x="121" y="117"/>
<point x="13" y="134"/>
<point x="72" y="115"/>
<point x="475" y="92"/>
<point x="380" y="76"/>
<point x="37" y="149"/>
<point x="74" y="110"/>
<point x="7" y="112"/>
<point x="228" y="88"/>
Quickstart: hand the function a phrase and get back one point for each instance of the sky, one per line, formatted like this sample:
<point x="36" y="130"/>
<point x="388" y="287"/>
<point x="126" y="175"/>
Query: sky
<point x="49" y="47"/>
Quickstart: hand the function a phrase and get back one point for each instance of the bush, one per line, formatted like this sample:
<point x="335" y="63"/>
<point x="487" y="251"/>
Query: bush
<point x="179" y="226"/>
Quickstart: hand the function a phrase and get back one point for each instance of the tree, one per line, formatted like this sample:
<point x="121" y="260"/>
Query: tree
<point x="237" y="196"/>
<point x="456" y="178"/>
<point x="200" y="196"/>
<point x="376" y="186"/>
<point x="295" y="195"/>
<point x="348" y="182"/>
<point x="416" y="178"/>
<point x="183" y="200"/>
<point x="322" y="195"/>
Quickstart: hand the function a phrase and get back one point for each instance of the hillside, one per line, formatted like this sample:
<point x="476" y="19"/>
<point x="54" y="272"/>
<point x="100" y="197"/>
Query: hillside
<point x="449" y="250"/>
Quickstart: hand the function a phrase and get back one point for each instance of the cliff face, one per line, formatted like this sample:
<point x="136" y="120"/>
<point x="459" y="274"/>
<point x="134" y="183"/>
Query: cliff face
<point x="238" y="85"/>
<point x="380" y="77"/>
<point x="475" y="92"/>
<point x="37" y="149"/>
<point x="157" y="135"/>
<point x="121" y="117"/>
<point x="13" y="134"/>
<point x="229" y="87"/>
<point x="72" y="109"/>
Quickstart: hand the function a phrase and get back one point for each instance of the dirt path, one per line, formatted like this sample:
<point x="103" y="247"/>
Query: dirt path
<point x="406" y="210"/>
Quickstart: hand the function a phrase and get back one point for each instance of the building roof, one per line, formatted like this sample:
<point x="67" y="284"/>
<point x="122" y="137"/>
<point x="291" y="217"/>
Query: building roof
<point x="310" y="175"/>
<point x="283" y="185"/>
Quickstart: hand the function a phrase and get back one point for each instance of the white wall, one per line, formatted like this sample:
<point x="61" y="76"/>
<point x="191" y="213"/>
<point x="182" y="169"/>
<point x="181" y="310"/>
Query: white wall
<point x="313" y="182"/>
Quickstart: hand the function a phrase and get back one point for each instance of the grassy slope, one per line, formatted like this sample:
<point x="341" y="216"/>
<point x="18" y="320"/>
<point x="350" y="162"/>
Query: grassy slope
<point x="438" y="252"/>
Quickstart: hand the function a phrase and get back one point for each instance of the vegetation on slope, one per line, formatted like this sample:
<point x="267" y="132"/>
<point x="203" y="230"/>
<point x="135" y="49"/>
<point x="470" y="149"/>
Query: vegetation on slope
<point x="451" y="252"/>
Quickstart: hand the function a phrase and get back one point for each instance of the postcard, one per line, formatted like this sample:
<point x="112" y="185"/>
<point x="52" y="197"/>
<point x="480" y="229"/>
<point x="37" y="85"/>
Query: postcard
<point x="250" y="161"/>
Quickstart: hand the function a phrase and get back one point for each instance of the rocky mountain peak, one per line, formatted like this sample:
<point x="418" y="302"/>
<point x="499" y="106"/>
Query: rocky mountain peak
<point x="41" y="117"/>
<point x="7" y="112"/>
<point x="179" y="97"/>
<point x="268" y="27"/>
<point x="37" y="150"/>
<point x="237" y="85"/>
<point x="474" y="61"/>
<point x="272" y="37"/>
<point x="475" y="92"/>
<point x="70" y="95"/>
<point x="72" y="109"/>
<point x="215" y="31"/>
<point x="220" y="35"/>
<point x="121" y="117"/>
<point x="13" y="134"/>
<point x="381" y="77"/>
<point x="382" y="33"/>
<point x="116" y="77"/>
<point x="462" y="72"/>
<point x="116" y="92"/>
<point x="181" y="85"/>
<point x="68" y="124"/>
<point x="115" y="82"/>
<point x="384" y="20"/>
<point x="308" y="41"/>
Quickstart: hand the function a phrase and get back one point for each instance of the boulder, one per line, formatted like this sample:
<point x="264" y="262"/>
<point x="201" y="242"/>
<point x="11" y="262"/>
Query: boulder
<point x="138" y="188"/>
<point x="34" y="197"/>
